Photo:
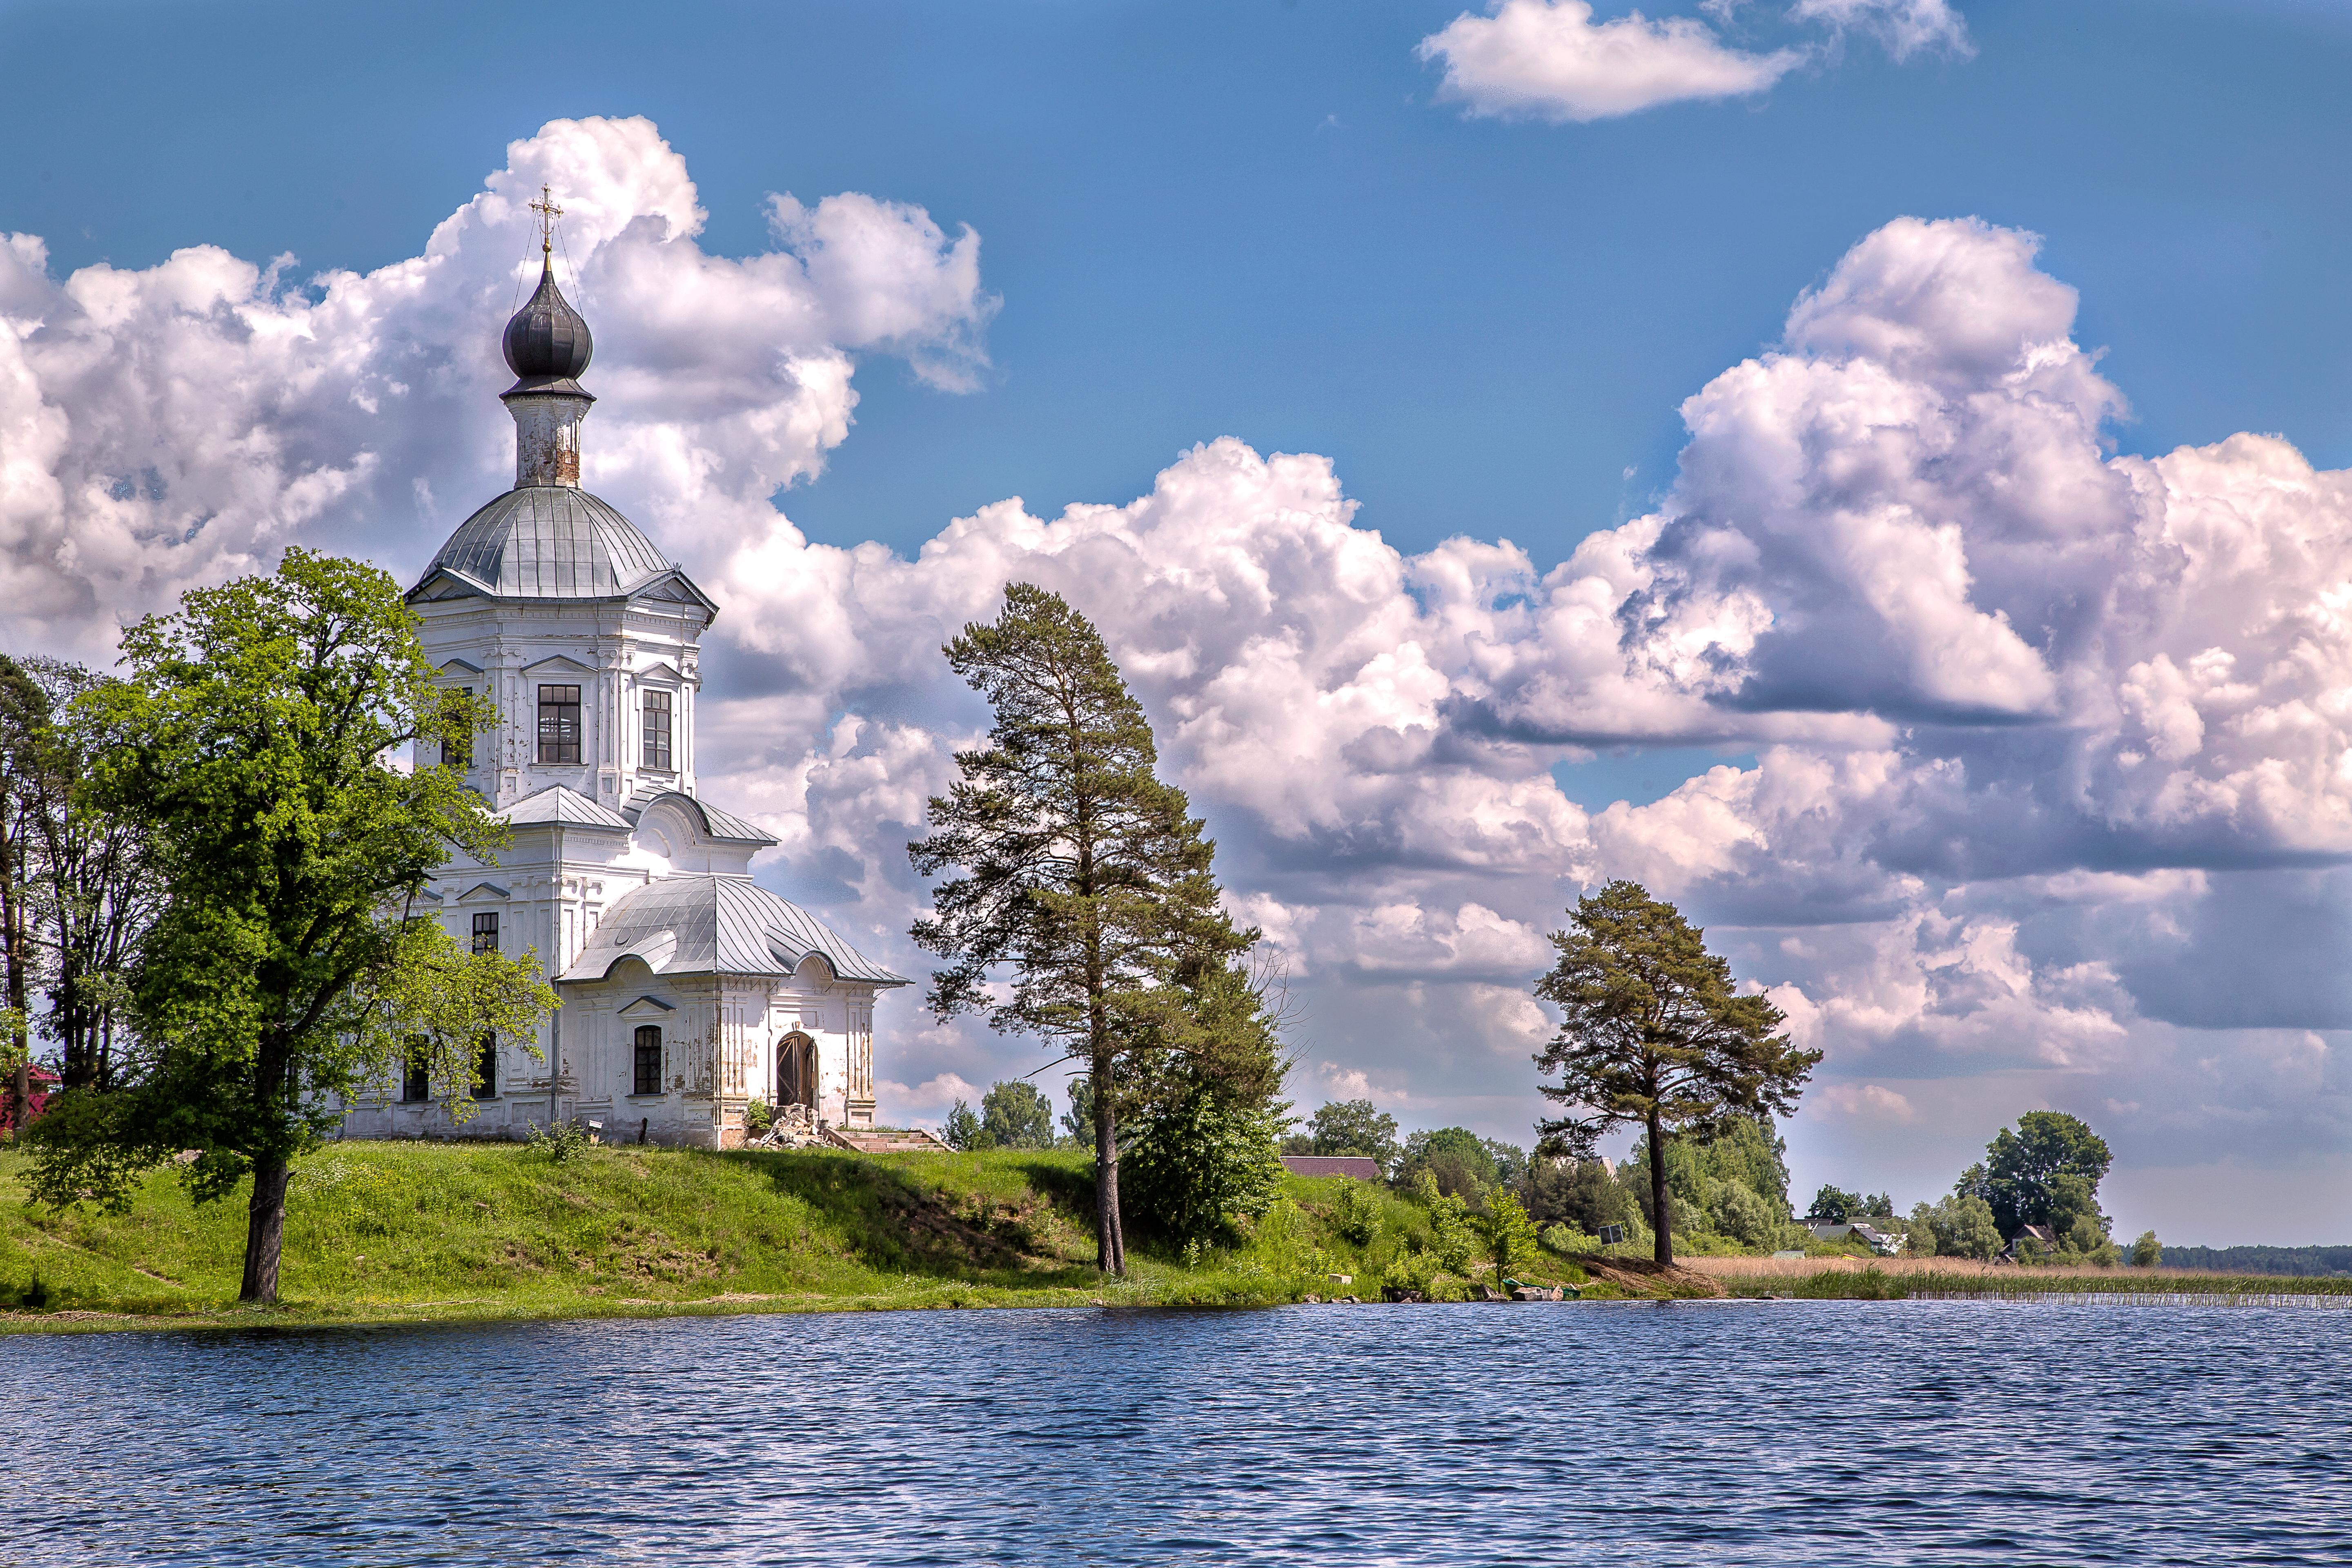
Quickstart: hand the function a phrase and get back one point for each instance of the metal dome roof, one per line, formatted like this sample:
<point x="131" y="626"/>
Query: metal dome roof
<point x="708" y="923"/>
<point x="547" y="342"/>
<point x="549" y="541"/>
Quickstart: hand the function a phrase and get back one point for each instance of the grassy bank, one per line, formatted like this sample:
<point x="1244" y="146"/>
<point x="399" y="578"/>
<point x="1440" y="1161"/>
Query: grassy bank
<point x="1948" y="1278"/>
<point x="388" y="1232"/>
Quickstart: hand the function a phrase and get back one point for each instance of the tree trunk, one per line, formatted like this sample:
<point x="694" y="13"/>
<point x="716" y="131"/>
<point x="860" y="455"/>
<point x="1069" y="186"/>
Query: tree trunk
<point x="12" y="939"/>
<point x="1110" y="1237"/>
<point x="1662" y="1211"/>
<point x="265" y="1230"/>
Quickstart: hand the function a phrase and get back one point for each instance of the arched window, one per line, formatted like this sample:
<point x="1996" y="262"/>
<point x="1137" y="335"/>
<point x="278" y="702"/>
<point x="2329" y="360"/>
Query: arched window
<point x="648" y="1062"/>
<point x="486" y="1067"/>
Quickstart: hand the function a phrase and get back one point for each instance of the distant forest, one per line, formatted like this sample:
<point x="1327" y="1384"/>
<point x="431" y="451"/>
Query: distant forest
<point x="2261" y="1259"/>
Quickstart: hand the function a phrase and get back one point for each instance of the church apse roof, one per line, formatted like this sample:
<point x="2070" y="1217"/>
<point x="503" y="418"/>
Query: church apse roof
<point x="549" y="541"/>
<point x="557" y="804"/>
<point x="717" y="924"/>
<point x="720" y="824"/>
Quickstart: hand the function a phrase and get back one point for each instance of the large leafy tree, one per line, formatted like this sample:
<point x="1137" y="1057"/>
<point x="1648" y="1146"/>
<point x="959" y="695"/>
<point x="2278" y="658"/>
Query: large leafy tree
<point x="289" y="966"/>
<point x="2046" y="1171"/>
<point x="1353" y="1127"/>
<point x="1084" y="880"/>
<point x="1017" y="1115"/>
<point x="1652" y="1033"/>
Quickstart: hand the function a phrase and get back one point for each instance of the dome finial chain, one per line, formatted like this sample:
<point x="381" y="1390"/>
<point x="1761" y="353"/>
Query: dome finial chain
<point x="548" y="212"/>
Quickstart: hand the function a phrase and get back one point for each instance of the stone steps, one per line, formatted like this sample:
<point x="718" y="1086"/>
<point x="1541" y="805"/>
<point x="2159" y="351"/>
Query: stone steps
<point x="884" y="1140"/>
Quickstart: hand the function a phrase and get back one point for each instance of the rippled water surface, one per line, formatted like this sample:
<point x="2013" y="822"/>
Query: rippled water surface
<point x="1789" y="1431"/>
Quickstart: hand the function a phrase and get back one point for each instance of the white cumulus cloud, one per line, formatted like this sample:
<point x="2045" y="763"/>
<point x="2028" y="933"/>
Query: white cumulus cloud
<point x="1548" y="59"/>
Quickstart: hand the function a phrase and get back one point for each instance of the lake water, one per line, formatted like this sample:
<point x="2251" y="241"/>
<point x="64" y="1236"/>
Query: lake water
<point x="1815" y="1432"/>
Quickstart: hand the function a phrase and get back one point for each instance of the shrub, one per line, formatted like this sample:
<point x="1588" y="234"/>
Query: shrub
<point x="1741" y="1215"/>
<point x="961" y="1129"/>
<point x="1357" y="1215"/>
<point x="1961" y="1228"/>
<point x="1414" y="1271"/>
<point x="1509" y="1235"/>
<point x="757" y="1117"/>
<point x="564" y="1140"/>
<point x="1198" y="1163"/>
<point x="1564" y="1241"/>
<point x="1451" y="1239"/>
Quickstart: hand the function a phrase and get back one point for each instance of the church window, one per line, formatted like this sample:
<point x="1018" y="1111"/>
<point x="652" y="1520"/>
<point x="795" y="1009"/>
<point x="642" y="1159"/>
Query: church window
<point x="658" y="729"/>
<point x="648" y="1063"/>
<point x="415" y="1074"/>
<point x="559" y="724"/>
<point x="486" y="931"/>
<point x="486" y="1067"/>
<point x="458" y="753"/>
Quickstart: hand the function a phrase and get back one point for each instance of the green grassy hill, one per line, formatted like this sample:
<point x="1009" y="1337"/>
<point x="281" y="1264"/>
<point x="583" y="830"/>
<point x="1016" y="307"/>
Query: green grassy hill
<point x="394" y="1231"/>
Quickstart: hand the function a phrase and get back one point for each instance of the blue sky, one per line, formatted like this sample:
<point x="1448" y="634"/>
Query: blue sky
<point x="1250" y="219"/>
<point x="1264" y="222"/>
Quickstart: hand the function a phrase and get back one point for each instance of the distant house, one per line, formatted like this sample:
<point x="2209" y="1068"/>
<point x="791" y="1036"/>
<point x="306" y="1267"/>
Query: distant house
<point x="2036" y="1233"/>
<point x="1356" y="1165"/>
<point x="1878" y="1241"/>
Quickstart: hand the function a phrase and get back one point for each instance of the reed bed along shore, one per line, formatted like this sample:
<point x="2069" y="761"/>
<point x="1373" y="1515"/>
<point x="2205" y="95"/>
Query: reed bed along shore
<point x="1960" y="1278"/>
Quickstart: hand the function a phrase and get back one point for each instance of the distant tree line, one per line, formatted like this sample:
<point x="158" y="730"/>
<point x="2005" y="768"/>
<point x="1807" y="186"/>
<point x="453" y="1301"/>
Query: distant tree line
<point x="2308" y="1262"/>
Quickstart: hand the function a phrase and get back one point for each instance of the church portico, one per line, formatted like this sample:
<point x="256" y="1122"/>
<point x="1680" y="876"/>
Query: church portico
<point x="687" y="990"/>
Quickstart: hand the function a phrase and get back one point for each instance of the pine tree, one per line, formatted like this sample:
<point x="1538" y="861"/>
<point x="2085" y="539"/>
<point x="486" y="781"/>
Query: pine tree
<point x="1085" y="879"/>
<point x="1655" y="1035"/>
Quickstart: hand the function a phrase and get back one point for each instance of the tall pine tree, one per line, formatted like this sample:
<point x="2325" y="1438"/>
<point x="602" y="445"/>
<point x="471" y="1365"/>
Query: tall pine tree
<point x="1085" y="879"/>
<point x="1653" y="1034"/>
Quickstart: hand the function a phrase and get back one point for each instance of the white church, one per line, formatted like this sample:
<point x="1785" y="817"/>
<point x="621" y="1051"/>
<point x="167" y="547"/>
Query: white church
<point x="689" y="991"/>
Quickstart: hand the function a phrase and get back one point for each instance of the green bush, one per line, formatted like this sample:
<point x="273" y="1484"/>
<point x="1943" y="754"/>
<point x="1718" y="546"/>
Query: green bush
<point x="1742" y="1214"/>
<point x="1197" y="1165"/>
<point x="1356" y="1216"/>
<point x="564" y="1140"/>
<point x="1566" y="1241"/>
<point x="1510" y="1236"/>
<point x="1451" y="1239"/>
<point x="1413" y="1271"/>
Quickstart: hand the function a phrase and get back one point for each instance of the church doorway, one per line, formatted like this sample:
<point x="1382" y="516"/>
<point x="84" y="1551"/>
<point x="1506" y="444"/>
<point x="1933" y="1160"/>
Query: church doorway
<point x="796" y="1072"/>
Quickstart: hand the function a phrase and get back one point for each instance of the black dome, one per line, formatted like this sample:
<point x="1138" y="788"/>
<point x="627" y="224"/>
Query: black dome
<point x="547" y="343"/>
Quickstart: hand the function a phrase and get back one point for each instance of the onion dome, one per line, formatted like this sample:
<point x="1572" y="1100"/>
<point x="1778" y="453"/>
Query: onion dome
<point x="547" y="342"/>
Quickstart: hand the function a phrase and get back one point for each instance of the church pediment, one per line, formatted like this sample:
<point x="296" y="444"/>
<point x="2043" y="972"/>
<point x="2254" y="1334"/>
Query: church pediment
<point x="646" y="1007"/>
<point x="661" y="672"/>
<point x="557" y="663"/>
<point x="444" y="584"/>
<point x="674" y="587"/>
<point x="483" y="891"/>
<point x="460" y="666"/>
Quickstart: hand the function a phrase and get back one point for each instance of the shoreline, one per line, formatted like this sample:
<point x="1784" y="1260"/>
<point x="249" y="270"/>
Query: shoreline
<point x="386" y="1233"/>
<point x="2236" y="1292"/>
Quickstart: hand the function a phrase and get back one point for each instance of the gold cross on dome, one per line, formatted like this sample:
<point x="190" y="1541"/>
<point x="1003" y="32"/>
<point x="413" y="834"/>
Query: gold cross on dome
<point x="548" y="212"/>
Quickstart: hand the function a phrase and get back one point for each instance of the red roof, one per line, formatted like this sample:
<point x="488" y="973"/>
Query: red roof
<point x="1356" y="1165"/>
